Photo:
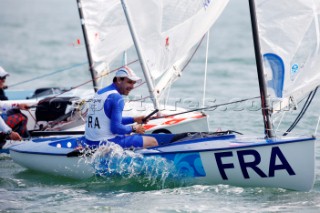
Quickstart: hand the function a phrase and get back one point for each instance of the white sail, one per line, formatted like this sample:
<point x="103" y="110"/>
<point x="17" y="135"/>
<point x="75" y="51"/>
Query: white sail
<point x="167" y="31"/>
<point x="107" y="29"/>
<point x="289" y="39"/>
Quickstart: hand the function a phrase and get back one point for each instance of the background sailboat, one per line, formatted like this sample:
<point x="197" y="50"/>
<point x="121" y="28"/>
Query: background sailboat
<point x="218" y="158"/>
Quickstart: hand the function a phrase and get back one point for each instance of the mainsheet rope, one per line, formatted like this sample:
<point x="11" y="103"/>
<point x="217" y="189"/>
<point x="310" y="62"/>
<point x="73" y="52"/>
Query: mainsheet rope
<point x="302" y="112"/>
<point x="209" y="107"/>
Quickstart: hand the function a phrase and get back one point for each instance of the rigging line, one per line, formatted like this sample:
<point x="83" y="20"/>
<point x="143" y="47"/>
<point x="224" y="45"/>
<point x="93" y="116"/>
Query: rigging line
<point x="140" y="99"/>
<point x="84" y="83"/>
<point x="32" y="117"/>
<point x="282" y="116"/>
<point x="139" y="85"/>
<point x="143" y="98"/>
<point x="111" y="71"/>
<point x="209" y="107"/>
<point x="302" y="112"/>
<point x="193" y="53"/>
<point x="49" y="74"/>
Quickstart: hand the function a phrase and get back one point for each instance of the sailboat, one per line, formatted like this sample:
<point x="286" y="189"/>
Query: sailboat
<point x="286" y="75"/>
<point x="107" y="35"/>
<point x="66" y="112"/>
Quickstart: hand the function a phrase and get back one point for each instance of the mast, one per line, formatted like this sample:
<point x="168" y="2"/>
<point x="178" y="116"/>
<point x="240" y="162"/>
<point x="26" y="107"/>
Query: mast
<point x="86" y="41"/>
<point x="262" y="82"/>
<point x="141" y="59"/>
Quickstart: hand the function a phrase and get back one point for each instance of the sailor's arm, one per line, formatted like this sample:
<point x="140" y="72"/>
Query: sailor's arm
<point x="5" y="106"/>
<point x="4" y="128"/>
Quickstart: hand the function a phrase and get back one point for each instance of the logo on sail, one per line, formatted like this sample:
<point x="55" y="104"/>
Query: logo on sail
<point x="294" y="71"/>
<point x="206" y="3"/>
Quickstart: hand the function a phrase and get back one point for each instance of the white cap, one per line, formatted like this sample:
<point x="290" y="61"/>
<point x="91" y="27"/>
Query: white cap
<point x="128" y="73"/>
<point x="3" y="73"/>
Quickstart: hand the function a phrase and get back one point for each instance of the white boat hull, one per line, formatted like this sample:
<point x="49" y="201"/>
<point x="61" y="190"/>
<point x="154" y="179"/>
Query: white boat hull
<point x="273" y="166"/>
<point x="193" y="121"/>
<point x="69" y="167"/>
<point x="226" y="159"/>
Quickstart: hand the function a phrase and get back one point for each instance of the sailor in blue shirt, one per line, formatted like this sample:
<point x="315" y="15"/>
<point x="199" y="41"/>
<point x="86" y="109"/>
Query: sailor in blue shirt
<point x="104" y="119"/>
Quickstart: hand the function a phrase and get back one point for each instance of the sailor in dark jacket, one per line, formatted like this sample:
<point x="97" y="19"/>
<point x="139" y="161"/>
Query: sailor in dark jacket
<point x="12" y="115"/>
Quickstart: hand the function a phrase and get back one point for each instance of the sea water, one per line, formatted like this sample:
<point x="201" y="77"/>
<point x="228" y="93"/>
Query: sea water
<point x="40" y="38"/>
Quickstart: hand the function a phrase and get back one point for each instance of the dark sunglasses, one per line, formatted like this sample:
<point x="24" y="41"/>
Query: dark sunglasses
<point x="3" y="78"/>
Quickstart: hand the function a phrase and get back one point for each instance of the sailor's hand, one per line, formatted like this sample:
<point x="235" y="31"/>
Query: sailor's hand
<point x="23" y="106"/>
<point x="15" y="136"/>
<point x="140" y="129"/>
<point x="139" y="119"/>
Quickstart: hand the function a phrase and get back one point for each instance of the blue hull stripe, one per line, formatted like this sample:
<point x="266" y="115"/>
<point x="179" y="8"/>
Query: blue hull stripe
<point x="249" y="145"/>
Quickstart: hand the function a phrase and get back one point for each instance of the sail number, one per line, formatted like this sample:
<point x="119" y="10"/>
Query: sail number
<point x="253" y="163"/>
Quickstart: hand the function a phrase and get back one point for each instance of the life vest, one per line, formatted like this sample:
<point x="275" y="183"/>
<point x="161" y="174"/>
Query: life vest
<point x="98" y="124"/>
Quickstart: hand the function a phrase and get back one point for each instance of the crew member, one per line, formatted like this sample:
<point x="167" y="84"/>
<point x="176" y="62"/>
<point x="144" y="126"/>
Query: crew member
<point x="104" y="119"/>
<point x="11" y="113"/>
